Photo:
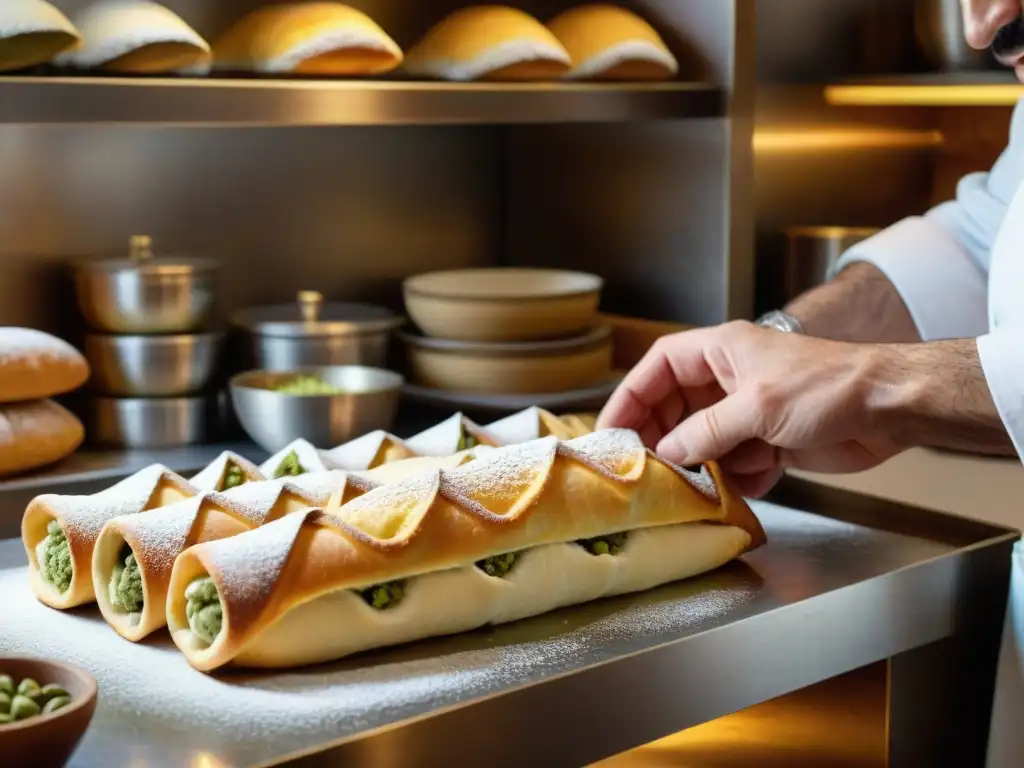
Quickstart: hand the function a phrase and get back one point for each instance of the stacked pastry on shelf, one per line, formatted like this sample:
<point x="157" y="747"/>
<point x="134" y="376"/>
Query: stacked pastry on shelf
<point x="253" y="574"/>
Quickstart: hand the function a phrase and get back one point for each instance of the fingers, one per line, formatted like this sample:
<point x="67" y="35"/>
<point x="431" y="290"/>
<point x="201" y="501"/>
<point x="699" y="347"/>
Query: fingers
<point x="710" y="433"/>
<point x="672" y="365"/>
<point x="756" y="485"/>
<point x="750" y="458"/>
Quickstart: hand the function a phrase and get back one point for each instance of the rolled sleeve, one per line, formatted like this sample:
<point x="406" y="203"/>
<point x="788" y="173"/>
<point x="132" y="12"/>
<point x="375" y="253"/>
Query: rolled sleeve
<point x="942" y="287"/>
<point x="1002" y="360"/>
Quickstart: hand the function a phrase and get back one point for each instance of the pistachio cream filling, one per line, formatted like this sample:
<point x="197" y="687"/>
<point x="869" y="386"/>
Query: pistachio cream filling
<point x="308" y="385"/>
<point x="125" y="588"/>
<point x="289" y="466"/>
<point x="382" y="596"/>
<point x="498" y="565"/>
<point x="234" y="476"/>
<point x="203" y="608"/>
<point x="54" y="556"/>
<point x="466" y="441"/>
<point x="611" y="544"/>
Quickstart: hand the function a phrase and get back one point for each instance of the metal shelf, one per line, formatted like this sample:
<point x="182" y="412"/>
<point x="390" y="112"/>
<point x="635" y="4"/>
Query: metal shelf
<point x="235" y="102"/>
<point x="944" y="89"/>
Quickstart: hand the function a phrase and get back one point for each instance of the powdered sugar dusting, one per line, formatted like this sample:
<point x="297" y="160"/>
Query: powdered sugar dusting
<point x="617" y="450"/>
<point x="35" y="349"/>
<point x="374" y="513"/>
<point x="210" y="477"/>
<point x="251" y="563"/>
<point x="254" y="500"/>
<point x="319" y="486"/>
<point x="309" y="457"/>
<point x="357" y="454"/>
<point x="505" y="473"/>
<point x="88" y="514"/>
<point x="162" y="533"/>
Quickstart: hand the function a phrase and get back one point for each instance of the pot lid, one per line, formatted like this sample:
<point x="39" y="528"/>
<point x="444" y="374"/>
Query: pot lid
<point x="141" y="259"/>
<point x="309" y="315"/>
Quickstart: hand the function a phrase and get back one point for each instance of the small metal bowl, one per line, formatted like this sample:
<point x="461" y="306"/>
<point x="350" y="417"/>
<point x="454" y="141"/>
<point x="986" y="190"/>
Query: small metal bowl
<point x="152" y="366"/>
<point x="165" y="422"/>
<point x="48" y="739"/>
<point x="274" y="419"/>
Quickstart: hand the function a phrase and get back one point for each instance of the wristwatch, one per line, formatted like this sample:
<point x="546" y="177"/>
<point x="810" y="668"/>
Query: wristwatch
<point x="780" y="321"/>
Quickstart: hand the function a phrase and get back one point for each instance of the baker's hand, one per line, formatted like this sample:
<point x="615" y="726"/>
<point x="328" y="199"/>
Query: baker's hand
<point x="755" y="399"/>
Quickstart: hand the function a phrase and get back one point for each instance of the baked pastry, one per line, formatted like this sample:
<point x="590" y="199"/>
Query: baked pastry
<point x="227" y="471"/>
<point x="33" y="364"/>
<point x="396" y="471"/>
<point x="518" y="531"/>
<point x="580" y="423"/>
<point x="131" y="564"/>
<point x="35" y="434"/>
<point x="136" y="37"/>
<point x="531" y="424"/>
<point x="452" y="435"/>
<point x="607" y="42"/>
<point x="367" y="452"/>
<point x="296" y="458"/>
<point x="314" y="38"/>
<point x="488" y="42"/>
<point x="60" y="532"/>
<point x="32" y="32"/>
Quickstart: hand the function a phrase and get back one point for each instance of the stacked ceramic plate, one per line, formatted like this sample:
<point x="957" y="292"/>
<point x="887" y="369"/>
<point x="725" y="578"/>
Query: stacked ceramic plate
<point x="504" y="336"/>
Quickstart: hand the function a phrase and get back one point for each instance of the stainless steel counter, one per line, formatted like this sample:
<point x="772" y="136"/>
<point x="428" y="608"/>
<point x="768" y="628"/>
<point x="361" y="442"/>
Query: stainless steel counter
<point x="860" y="582"/>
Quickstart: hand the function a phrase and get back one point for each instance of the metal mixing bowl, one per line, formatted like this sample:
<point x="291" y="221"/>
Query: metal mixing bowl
<point x="144" y="294"/>
<point x="273" y="419"/>
<point x="166" y="422"/>
<point x="152" y="366"/>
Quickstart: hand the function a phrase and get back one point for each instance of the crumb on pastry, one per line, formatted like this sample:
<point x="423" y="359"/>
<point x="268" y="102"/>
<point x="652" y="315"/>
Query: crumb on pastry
<point x="54" y="555"/>
<point x="289" y="466"/>
<point x="125" y="587"/>
<point x="203" y="609"/>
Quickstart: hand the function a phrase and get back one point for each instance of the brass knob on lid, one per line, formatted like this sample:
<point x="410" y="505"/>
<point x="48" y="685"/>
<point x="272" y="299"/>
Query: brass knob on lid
<point x="310" y="304"/>
<point x="140" y="247"/>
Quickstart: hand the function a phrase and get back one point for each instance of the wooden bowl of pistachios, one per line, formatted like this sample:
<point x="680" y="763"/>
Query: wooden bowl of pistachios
<point x="45" y="708"/>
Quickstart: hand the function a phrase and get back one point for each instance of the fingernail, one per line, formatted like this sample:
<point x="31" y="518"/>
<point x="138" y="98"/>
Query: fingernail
<point x="672" y="449"/>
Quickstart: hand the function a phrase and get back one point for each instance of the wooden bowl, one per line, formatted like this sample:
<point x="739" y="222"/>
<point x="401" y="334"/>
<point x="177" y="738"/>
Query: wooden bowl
<point x="537" y="367"/>
<point x="503" y="304"/>
<point x="47" y="741"/>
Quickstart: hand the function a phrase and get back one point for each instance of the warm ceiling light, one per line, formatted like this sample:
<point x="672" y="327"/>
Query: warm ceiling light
<point x="816" y="139"/>
<point x="988" y="95"/>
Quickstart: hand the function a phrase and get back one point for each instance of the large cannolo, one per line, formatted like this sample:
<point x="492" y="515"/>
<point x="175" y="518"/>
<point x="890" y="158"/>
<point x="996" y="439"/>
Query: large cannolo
<point x="131" y="565"/>
<point x="367" y="452"/>
<point x="516" y="532"/>
<point x="60" y="532"/>
<point x="227" y="471"/>
<point x="452" y="435"/>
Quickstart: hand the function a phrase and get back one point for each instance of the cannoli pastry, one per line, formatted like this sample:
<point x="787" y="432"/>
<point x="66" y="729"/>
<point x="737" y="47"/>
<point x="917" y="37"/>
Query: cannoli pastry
<point x="531" y="424"/>
<point x="131" y="565"/>
<point x="136" y="37"/>
<point x="60" y="532"/>
<point x="396" y="471"/>
<point x="517" y="532"/>
<point x="607" y="42"/>
<point x="33" y="32"/>
<point x="369" y="451"/>
<point x="488" y="42"/>
<point x="227" y="471"/>
<point x="580" y="423"/>
<point x="313" y="38"/>
<point x="296" y="458"/>
<point x="451" y="436"/>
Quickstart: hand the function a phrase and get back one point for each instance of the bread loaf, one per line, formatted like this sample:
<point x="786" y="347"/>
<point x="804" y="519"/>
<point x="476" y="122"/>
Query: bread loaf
<point x="488" y="42"/>
<point x="607" y="42"/>
<point x="136" y="37"/>
<point x="32" y="32"/>
<point x="36" y="433"/>
<point x="313" y="38"/>
<point x="516" y="532"/>
<point x="35" y="365"/>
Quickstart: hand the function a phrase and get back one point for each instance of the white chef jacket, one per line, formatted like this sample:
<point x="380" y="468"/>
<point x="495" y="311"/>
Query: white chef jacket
<point x="960" y="271"/>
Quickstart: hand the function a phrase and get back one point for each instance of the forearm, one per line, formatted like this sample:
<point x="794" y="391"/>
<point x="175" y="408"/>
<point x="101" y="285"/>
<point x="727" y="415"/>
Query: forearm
<point x="860" y="305"/>
<point x="934" y="395"/>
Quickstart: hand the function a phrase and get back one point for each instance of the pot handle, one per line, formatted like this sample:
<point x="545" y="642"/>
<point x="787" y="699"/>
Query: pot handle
<point x="140" y="247"/>
<point x="310" y="303"/>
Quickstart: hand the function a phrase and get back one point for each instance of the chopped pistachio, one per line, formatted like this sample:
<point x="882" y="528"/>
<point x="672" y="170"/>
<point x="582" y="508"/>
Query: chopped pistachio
<point x="203" y="608"/>
<point x="498" y="565"/>
<point x="54" y="556"/>
<point x="611" y="544"/>
<point x="382" y="596"/>
<point x="289" y="466"/>
<point x="308" y="385"/>
<point x="234" y="476"/>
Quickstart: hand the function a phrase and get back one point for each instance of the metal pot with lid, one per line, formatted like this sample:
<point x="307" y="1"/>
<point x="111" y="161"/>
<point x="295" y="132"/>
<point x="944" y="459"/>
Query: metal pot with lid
<point x="311" y="332"/>
<point x="144" y="293"/>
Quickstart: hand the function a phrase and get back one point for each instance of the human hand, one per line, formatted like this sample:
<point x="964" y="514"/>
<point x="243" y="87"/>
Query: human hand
<point x="756" y="400"/>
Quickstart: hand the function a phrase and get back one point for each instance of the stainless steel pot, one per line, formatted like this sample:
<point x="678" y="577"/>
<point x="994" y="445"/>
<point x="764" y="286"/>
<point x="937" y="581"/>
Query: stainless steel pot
<point x="811" y="252"/>
<point x="152" y="366"/>
<point x="312" y="333"/>
<point x="273" y="419"/>
<point x="170" y="422"/>
<point x="940" y="35"/>
<point x="143" y="294"/>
